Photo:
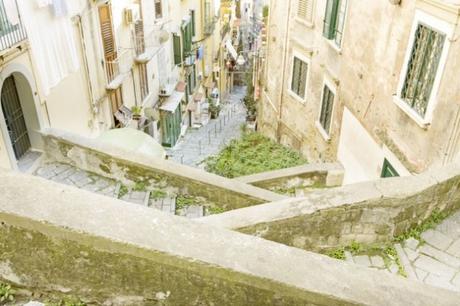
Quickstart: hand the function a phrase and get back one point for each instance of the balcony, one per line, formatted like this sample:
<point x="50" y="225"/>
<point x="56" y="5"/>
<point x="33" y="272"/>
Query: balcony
<point x="12" y="30"/>
<point x="117" y="68"/>
<point x="146" y="45"/>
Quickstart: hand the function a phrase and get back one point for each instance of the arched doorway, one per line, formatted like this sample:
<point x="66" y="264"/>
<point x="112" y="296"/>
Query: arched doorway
<point x="14" y="118"/>
<point x="20" y="123"/>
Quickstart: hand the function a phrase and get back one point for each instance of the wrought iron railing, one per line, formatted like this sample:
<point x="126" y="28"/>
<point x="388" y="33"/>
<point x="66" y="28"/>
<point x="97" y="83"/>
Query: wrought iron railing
<point x="12" y="30"/>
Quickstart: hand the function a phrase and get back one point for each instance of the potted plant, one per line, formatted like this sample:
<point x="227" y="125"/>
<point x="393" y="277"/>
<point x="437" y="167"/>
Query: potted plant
<point x="137" y="112"/>
<point x="213" y="109"/>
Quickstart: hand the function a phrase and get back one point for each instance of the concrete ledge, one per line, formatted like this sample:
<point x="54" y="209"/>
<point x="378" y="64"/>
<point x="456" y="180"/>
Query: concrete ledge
<point x="100" y="249"/>
<point x="368" y="212"/>
<point x="324" y="174"/>
<point x="131" y="167"/>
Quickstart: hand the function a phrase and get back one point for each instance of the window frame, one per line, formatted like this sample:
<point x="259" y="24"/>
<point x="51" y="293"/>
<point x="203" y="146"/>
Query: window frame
<point x="333" y="88"/>
<point x="306" y="60"/>
<point x="161" y="14"/>
<point x="332" y="41"/>
<point x="439" y="26"/>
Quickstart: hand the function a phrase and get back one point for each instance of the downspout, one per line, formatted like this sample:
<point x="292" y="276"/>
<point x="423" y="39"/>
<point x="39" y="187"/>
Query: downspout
<point x="284" y="71"/>
<point x="455" y="134"/>
<point x="92" y="105"/>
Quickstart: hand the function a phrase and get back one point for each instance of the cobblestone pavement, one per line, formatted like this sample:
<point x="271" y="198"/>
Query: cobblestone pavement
<point x="68" y="175"/>
<point x="198" y="144"/>
<point x="435" y="260"/>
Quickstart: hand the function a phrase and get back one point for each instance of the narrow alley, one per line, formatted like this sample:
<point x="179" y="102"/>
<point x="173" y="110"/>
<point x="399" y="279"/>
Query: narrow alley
<point x="198" y="144"/>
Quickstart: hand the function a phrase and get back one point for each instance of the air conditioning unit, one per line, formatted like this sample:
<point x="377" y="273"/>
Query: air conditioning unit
<point x="132" y="14"/>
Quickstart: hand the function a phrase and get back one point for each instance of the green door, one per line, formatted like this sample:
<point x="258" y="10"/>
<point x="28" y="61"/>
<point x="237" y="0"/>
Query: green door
<point x="170" y="127"/>
<point x="388" y="170"/>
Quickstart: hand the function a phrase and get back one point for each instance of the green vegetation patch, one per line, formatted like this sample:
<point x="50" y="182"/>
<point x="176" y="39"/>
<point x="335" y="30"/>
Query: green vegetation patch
<point x="253" y="153"/>
<point x="6" y="293"/>
<point x="431" y="222"/>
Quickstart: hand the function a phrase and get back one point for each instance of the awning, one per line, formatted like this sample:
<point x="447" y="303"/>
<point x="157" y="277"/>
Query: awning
<point x="171" y="103"/>
<point x="181" y="86"/>
<point x="231" y="49"/>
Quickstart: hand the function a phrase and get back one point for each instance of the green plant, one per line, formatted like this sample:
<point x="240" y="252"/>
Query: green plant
<point x="123" y="191"/>
<point x="158" y="194"/>
<point x="6" y="293"/>
<point x="265" y="11"/>
<point x="139" y="186"/>
<point x="213" y="109"/>
<point x="355" y="247"/>
<point x="431" y="222"/>
<point x="338" y="253"/>
<point x="392" y="256"/>
<point x="253" y="153"/>
<point x="183" y="201"/>
<point x="67" y="302"/>
<point x="136" y="110"/>
<point x="214" y="210"/>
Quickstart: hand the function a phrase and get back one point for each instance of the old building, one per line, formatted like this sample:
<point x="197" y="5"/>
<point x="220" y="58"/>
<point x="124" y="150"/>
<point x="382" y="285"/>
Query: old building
<point x="367" y="83"/>
<point x="88" y="66"/>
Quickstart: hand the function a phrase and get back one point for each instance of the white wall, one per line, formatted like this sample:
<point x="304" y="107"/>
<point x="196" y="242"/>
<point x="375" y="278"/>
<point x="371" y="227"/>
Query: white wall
<point x="360" y="155"/>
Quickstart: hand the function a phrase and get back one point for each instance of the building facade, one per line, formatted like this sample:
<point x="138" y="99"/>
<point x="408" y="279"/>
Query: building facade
<point x="89" y="66"/>
<point x="366" y="83"/>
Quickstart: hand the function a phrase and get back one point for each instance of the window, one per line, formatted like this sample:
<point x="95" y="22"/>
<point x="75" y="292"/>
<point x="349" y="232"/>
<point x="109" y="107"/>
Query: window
<point x="327" y="105"/>
<point x="177" y="49"/>
<point x="388" y="170"/>
<point x="422" y="68"/>
<point x="187" y="38"/>
<point x="305" y="10"/>
<point x="299" y="77"/>
<point x="158" y="9"/>
<point x="334" y="20"/>
<point x="108" y="41"/>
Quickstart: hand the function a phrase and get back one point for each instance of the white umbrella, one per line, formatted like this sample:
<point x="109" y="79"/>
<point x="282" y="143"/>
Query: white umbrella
<point x="133" y="140"/>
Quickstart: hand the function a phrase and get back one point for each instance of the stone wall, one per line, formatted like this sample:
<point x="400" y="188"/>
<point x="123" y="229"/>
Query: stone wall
<point x="130" y="168"/>
<point x="310" y="175"/>
<point x="368" y="212"/>
<point x="55" y="238"/>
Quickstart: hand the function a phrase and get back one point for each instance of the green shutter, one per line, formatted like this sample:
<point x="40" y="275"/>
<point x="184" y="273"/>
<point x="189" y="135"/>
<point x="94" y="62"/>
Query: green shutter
<point x="330" y="19"/>
<point x="187" y="38"/>
<point x="388" y="170"/>
<point x="192" y="13"/>
<point x="177" y="50"/>
<point x="326" y="109"/>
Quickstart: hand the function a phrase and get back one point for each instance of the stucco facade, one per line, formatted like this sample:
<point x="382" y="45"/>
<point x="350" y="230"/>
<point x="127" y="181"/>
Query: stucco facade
<point x="365" y="72"/>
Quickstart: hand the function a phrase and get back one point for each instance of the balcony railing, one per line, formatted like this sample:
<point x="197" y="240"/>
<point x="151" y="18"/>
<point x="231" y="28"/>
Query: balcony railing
<point x="12" y="30"/>
<point x="117" y="67"/>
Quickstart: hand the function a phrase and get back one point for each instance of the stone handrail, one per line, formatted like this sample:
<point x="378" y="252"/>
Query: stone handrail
<point x="368" y="212"/>
<point x="131" y="167"/>
<point x="58" y="238"/>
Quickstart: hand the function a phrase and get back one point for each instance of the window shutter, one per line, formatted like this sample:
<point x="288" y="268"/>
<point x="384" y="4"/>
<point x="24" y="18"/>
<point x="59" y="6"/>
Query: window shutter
<point x="192" y="14"/>
<point x="326" y="108"/>
<point x="305" y="10"/>
<point x="108" y="41"/>
<point x="177" y="50"/>
<point x="330" y="18"/>
<point x="158" y="9"/>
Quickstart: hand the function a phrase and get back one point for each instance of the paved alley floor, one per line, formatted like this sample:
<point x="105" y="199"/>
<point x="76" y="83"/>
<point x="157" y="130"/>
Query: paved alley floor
<point x="198" y="144"/>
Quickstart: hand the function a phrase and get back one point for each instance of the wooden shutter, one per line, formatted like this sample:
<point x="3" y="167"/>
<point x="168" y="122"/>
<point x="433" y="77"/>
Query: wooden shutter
<point x="305" y="10"/>
<point x="105" y="18"/>
<point x="330" y="18"/>
<point x="158" y="9"/>
<point x="177" y="49"/>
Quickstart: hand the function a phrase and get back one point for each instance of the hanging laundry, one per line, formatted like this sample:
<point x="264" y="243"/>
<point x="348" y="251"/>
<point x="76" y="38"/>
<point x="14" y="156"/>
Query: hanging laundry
<point x="60" y="8"/>
<point x="199" y="53"/>
<point x="43" y="3"/>
<point x="11" y="11"/>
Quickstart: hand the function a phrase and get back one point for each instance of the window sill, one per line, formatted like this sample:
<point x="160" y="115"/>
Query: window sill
<point x="323" y="133"/>
<point x="334" y="45"/>
<point x="421" y="122"/>
<point x="296" y="97"/>
<point x="305" y="23"/>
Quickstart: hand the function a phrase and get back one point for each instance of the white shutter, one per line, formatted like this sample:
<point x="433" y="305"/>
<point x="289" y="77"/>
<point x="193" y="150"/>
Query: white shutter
<point x="305" y="10"/>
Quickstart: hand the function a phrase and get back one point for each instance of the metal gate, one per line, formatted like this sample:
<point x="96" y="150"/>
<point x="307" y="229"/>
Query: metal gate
<point x="14" y="117"/>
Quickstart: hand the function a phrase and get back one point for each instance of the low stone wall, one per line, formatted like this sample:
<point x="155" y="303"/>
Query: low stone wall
<point x="367" y="212"/>
<point x="310" y="175"/>
<point x="54" y="238"/>
<point x="130" y="168"/>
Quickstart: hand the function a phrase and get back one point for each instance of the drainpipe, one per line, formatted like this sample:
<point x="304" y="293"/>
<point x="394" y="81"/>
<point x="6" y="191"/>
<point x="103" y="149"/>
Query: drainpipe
<point x="92" y="105"/>
<point x="283" y="70"/>
<point x="455" y="134"/>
